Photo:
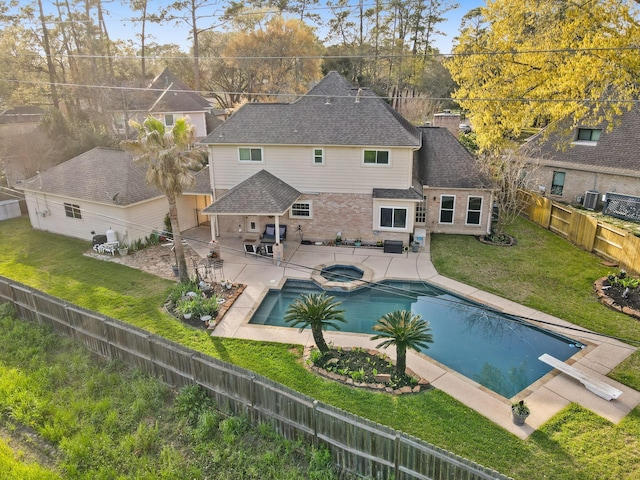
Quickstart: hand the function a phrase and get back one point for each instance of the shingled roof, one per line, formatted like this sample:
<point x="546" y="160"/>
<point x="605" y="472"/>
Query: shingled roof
<point x="100" y="175"/>
<point x="260" y="194"/>
<point x="168" y="93"/>
<point x="617" y="151"/>
<point x="444" y="163"/>
<point x="334" y="112"/>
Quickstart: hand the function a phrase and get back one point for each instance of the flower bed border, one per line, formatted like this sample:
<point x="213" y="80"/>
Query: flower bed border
<point x="599" y="285"/>
<point x="423" y="385"/>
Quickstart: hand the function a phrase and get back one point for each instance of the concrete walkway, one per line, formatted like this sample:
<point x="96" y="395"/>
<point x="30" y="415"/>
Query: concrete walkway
<point x="545" y="397"/>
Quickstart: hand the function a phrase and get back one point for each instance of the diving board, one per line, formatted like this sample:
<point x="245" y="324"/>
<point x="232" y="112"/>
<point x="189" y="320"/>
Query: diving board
<point x="592" y="384"/>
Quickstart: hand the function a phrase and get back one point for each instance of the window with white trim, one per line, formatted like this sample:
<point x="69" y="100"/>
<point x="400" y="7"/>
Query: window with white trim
<point x="72" y="211"/>
<point x="300" y="210"/>
<point x="589" y="134"/>
<point x="474" y="210"/>
<point x="169" y="120"/>
<point x="318" y="156"/>
<point x="376" y="157"/>
<point x="393" y="217"/>
<point x="250" y="154"/>
<point x="447" y="208"/>
<point x="421" y="210"/>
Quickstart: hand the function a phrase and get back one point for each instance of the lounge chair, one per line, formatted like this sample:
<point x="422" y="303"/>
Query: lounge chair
<point x="269" y="235"/>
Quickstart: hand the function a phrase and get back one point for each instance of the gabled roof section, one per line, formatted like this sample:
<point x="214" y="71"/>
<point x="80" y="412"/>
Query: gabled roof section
<point x="202" y="183"/>
<point x="168" y="93"/>
<point x="334" y="112"/>
<point x="615" y="151"/>
<point x="100" y="175"/>
<point x="260" y="194"/>
<point x="397" y="194"/>
<point x="444" y="163"/>
<point x="22" y="114"/>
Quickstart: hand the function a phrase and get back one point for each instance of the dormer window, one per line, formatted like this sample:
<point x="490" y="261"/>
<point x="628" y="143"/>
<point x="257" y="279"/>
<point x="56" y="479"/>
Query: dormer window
<point x="588" y="136"/>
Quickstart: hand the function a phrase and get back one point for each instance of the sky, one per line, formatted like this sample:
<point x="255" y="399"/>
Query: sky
<point x="119" y="27"/>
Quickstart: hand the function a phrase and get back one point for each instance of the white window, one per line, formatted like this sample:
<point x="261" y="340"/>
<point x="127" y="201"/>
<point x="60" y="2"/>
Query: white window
<point x="168" y="120"/>
<point x="376" y="157"/>
<point x="474" y="210"/>
<point x="300" y="210"/>
<point x="72" y="211"/>
<point x="393" y="217"/>
<point x="447" y="208"/>
<point x="250" y="154"/>
<point x="318" y="156"/>
<point x="421" y="210"/>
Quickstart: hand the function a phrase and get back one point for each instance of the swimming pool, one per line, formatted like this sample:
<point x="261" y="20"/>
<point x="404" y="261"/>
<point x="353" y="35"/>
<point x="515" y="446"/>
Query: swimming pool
<point x="496" y="350"/>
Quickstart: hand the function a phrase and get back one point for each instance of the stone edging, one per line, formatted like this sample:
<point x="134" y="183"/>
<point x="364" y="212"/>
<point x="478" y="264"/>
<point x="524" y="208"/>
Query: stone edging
<point x="598" y="286"/>
<point x="229" y="301"/>
<point x="379" y="387"/>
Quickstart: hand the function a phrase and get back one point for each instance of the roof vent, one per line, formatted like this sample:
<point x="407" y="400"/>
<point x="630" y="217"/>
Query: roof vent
<point x="327" y="101"/>
<point x="358" y="95"/>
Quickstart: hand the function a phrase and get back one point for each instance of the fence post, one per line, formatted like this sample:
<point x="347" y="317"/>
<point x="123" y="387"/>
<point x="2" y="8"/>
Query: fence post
<point x="315" y="423"/>
<point x="396" y="457"/>
<point x="252" y="398"/>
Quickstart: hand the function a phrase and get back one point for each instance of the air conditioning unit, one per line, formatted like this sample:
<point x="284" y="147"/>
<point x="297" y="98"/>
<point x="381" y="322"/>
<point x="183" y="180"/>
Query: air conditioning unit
<point x="590" y="200"/>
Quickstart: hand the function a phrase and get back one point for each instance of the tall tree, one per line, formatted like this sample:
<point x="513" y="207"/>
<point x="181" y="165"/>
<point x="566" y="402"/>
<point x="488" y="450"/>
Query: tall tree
<point x="404" y="330"/>
<point x="519" y="61"/>
<point x="171" y="166"/>
<point x="318" y="311"/>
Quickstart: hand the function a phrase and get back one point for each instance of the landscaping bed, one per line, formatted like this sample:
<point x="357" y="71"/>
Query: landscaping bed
<point x="364" y="369"/>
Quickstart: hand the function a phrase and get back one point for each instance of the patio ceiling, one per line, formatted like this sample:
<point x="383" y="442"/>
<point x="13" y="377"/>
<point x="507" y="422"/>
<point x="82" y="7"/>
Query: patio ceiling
<point x="260" y="194"/>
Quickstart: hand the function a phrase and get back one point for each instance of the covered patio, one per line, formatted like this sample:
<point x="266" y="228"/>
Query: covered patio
<point x="258" y="203"/>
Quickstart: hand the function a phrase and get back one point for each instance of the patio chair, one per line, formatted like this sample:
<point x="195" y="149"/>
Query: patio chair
<point x="252" y="248"/>
<point x="269" y="235"/>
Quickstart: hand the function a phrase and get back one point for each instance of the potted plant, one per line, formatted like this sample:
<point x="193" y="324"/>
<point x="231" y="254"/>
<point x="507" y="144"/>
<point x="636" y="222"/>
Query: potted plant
<point x="188" y="306"/>
<point x="338" y="240"/>
<point x="358" y="241"/>
<point x="123" y="250"/>
<point x="520" y="412"/>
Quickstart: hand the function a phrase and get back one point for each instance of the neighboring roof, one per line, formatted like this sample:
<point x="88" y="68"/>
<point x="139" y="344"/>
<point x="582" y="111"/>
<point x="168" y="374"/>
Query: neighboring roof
<point x="100" y="175"/>
<point x="334" y="112"/>
<point x="615" y="151"/>
<point x="260" y="194"/>
<point x="22" y="114"/>
<point x="444" y="163"/>
<point x="168" y="93"/>
<point x="202" y="184"/>
<point x="397" y="194"/>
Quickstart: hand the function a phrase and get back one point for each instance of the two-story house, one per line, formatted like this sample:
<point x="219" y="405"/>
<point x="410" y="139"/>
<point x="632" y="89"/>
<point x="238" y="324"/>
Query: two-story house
<point x="580" y="164"/>
<point x="167" y="98"/>
<point x="340" y="161"/>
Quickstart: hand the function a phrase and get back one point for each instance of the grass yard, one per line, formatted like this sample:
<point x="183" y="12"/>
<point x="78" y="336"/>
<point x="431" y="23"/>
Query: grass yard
<point x="542" y="271"/>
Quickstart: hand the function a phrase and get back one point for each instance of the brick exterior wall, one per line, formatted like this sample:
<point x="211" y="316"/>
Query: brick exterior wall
<point x="348" y="213"/>
<point x="460" y="213"/>
<point x="577" y="182"/>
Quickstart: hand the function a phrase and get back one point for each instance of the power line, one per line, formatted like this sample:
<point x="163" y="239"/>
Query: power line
<point x="307" y="95"/>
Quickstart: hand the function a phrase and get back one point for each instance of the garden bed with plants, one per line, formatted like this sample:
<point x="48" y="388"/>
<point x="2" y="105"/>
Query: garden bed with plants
<point x="365" y="369"/>
<point x="200" y="304"/>
<point x="620" y="292"/>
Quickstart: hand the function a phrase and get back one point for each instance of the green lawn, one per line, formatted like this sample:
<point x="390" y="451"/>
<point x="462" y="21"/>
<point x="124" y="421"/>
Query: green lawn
<point x="542" y="271"/>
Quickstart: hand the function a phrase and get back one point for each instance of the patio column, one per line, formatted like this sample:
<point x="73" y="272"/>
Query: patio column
<point x="277" y="219"/>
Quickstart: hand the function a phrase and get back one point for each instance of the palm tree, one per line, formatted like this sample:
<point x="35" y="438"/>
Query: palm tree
<point x="318" y="311"/>
<point x="404" y="330"/>
<point x="171" y="166"/>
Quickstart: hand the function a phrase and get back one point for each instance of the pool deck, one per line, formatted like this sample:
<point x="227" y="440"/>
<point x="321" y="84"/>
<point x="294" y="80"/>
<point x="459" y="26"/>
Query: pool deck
<point x="545" y="397"/>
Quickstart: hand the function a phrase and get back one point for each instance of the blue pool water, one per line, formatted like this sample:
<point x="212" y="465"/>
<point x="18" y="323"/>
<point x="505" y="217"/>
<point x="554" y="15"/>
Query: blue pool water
<point x="498" y="351"/>
<point x="341" y="273"/>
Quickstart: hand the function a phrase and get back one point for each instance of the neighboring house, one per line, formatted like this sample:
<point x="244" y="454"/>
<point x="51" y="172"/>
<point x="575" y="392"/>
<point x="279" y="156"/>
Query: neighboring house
<point x="339" y="160"/>
<point x="21" y="119"/>
<point x="104" y="189"/>
<point x="167" y="98"/>
<point x="580" y="166"/>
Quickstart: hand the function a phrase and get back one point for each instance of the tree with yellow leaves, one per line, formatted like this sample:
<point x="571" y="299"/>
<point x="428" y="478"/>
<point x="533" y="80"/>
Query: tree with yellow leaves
<point x="520" y="63"/>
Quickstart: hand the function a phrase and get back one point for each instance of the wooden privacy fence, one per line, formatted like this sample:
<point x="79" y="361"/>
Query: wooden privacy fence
<point x="359" y="447"/>
<point x="611" y="243"/>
